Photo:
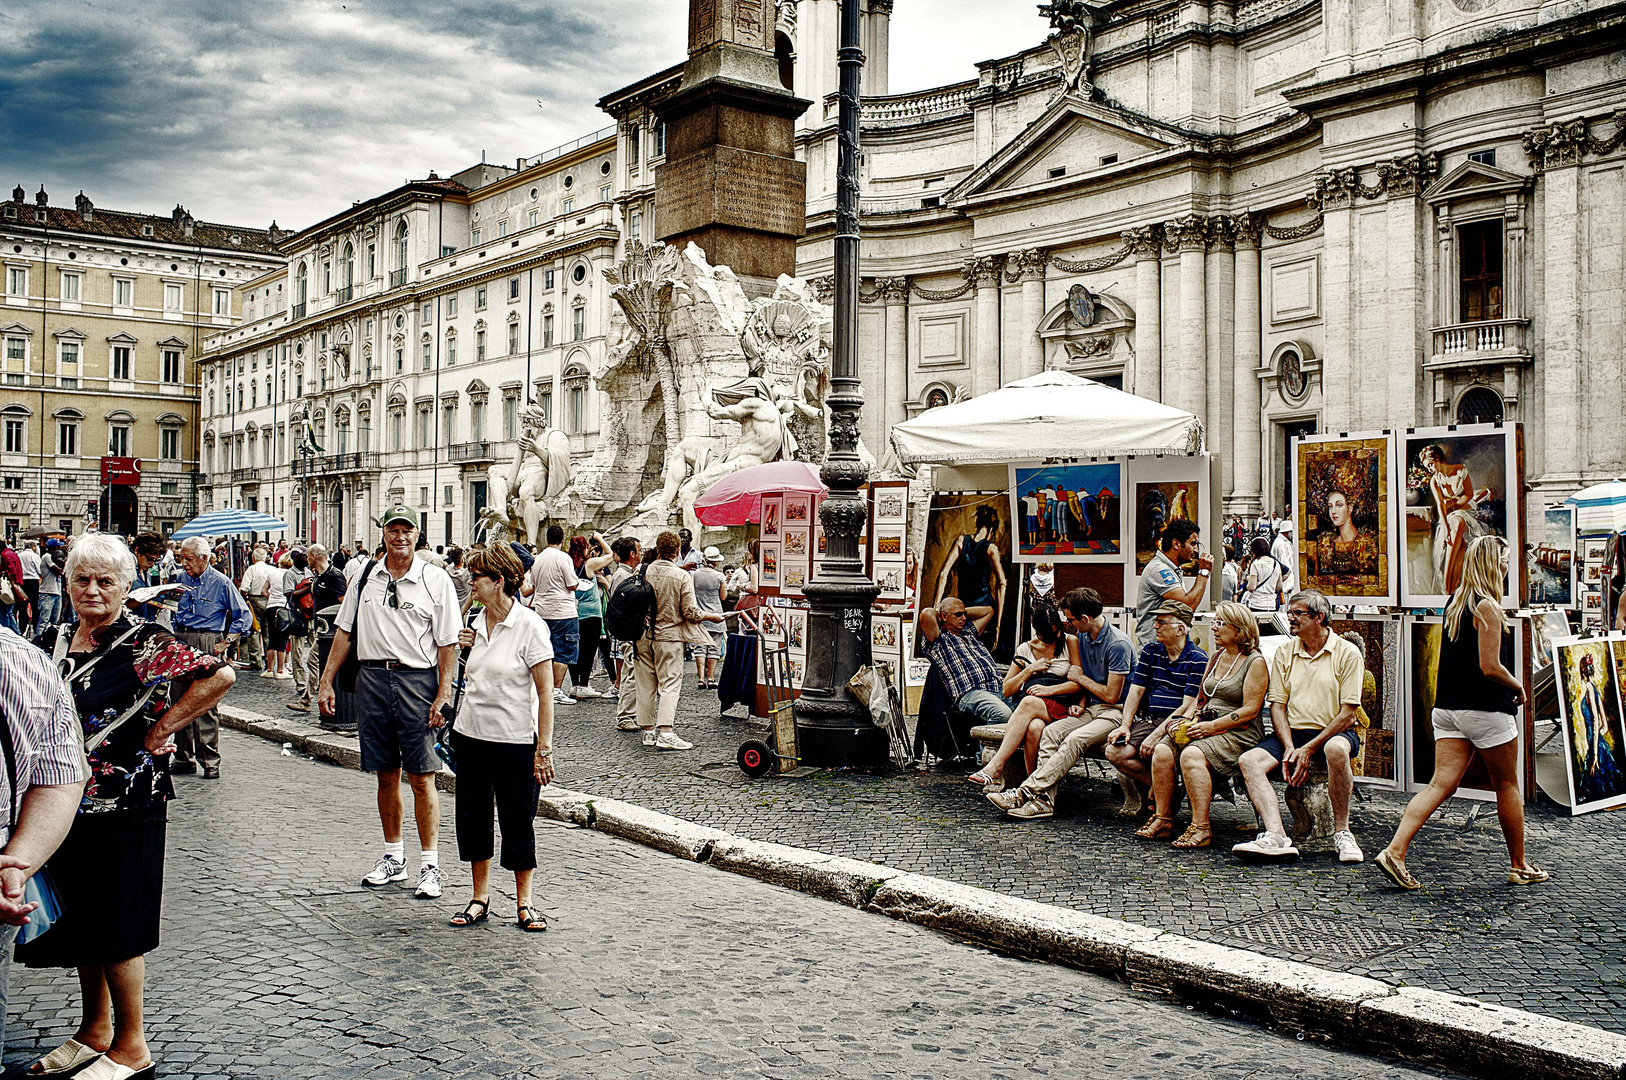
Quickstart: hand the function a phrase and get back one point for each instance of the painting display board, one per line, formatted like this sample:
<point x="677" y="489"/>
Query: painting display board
<point x="1163" y="489"/>
<point x="1590" y="672"/>
<point x="967" y="554"/>
<point x="1344" y="510"/>
<point x="1590" y="593"/>
<point x="770" y="542"/>
<point x="1461" y="483"/>
<point x="1068" y="511"/>
<point x="1554" y="567"/>
<point x="1382" y="759"/>
<point x="888" y="537"/>
<point x="1423" y="637"/>
<point x="796" y="544"/>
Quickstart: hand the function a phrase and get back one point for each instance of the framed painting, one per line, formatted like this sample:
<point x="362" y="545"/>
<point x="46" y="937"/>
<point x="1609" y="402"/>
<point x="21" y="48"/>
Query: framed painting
<point x="890" y="505"/>
<point x="773" y="509"/>
<point x="796" y="542"/>
<point x="888" y="541"/>
<point x="768" y="557"/>
<point x="1164" y="490"/>
<point x="1552" y="560"/>
<point x="967" y="555"/>
<point x="889" y="576"/>
<point x="1590" y="672"/>
<point x="798" y="511"/>
<point x="1424" y="637"/>
<point x="1382" y="756"/>
<point x="796" y="630"/>
<point x="1068" y="512"/>
<point x="1460" y="484"/>
<point x="1344" y="510"/>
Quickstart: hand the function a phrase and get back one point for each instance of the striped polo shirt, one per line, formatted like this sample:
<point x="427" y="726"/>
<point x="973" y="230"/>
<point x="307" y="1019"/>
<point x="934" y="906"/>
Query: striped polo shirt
<point x="45" y="732"/>
<point x="1167" y="682"/>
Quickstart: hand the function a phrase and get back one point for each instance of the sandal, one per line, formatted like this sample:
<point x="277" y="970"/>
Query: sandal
<point x="467" y="917"/>
<point x="1195" y="836"/>
<point x="529" y="921"/>
<point x="982" y="778"/>
<point x="1396" y="871"/>
<point x="1526" y="875"/>
<point x="1159" y="828"/>
<point x="71" y="1056"/>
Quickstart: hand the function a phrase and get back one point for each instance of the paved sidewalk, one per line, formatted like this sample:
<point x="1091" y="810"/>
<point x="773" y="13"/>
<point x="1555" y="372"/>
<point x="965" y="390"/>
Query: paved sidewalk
<point x="275" y="963"/>
<point x="1553" y="949"/>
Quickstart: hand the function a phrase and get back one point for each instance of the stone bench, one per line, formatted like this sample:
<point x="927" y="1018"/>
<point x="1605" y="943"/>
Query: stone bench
<point x="1311" y="810"/>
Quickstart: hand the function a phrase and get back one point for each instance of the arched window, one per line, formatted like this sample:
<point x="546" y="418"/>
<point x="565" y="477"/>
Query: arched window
<point x="401" y="246"/>
<point x="301" y="284"/>
<point x="1481" y="405"/>
<point x="349" y="268"/>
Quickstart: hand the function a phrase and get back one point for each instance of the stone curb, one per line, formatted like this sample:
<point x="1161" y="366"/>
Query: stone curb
<point x="1420" y="1025"/>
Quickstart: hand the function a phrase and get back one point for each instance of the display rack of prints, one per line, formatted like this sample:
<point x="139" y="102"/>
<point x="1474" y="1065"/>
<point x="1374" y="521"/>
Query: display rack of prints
<point x="888" y="542"/>
<point x="1344" y="510"/>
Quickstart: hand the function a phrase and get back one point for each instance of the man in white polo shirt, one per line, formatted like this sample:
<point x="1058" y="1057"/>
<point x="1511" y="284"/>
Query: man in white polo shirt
<point x="551" y="585"/>
<point x="403" y="620"/>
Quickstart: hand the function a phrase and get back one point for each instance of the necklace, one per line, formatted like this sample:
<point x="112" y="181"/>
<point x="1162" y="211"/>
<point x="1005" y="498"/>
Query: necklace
<point x="1208" y="691"/>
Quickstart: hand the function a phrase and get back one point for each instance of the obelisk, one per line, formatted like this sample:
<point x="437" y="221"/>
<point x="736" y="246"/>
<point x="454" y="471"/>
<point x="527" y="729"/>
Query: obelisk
<point x="731" y="182"/>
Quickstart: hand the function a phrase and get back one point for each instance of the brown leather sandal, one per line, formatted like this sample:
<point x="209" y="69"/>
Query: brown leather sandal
<point x="1195" y="836"/>
<point x="1159" y="828"/>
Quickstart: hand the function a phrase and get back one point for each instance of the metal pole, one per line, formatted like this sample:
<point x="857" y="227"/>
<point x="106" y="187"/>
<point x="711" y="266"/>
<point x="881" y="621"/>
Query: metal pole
<point x="832" y="729"/>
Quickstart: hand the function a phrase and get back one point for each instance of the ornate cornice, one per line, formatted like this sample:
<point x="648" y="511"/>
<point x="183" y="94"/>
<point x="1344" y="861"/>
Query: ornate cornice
<point x="1406" y="175"/>
<point x="1559" y="145"/>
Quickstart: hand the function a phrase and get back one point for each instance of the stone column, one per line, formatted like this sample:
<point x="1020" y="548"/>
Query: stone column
<point x="1146" y="245"/>
<point x="877" y="48"/>
<point x="1337" y="357"/>
<point x="985" y="272"/>
<point x="1246" y="434"/>
<point x="895" y="296"/>
<point x="1562" y="429"/>
<point x="1186" y="382"/>
<point x="1219" y="284"/>
<point x="1029" y="269"/>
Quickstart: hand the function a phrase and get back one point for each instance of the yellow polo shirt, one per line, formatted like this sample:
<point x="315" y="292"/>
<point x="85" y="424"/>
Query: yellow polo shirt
<point x="1315" y="687"/>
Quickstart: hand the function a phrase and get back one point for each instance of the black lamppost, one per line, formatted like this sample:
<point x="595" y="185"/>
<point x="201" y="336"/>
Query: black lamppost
<point x="833" y="729"/>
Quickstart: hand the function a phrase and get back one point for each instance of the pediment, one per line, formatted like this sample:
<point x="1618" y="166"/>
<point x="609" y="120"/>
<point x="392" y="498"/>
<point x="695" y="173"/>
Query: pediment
<point x="1072" y="134"/>
<point x="1474" y="178"/>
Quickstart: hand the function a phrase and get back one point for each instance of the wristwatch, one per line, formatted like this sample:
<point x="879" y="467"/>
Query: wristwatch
<point x="1202" y="573"/>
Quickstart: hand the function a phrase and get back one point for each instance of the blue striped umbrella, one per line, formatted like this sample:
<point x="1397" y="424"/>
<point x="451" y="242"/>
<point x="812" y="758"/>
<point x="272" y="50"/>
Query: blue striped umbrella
<point x="1600" y="509"/>
<point x="228" y="522"/>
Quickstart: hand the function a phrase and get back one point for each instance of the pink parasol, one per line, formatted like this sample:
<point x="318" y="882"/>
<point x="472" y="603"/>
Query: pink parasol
<point x="736" y="499"/>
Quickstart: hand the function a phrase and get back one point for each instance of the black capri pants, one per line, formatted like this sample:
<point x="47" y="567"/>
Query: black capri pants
<point x="504" y="773"/>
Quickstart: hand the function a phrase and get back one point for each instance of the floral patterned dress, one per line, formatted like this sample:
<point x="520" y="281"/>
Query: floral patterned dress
<point x="116" y="846"/>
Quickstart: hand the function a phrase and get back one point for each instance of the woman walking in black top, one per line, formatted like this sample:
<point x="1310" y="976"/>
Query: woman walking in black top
<point x="1476" y="700"/>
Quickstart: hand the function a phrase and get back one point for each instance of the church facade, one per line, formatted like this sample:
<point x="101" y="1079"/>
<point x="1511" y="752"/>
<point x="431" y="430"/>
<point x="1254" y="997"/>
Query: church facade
<point x="1283" y="215"/>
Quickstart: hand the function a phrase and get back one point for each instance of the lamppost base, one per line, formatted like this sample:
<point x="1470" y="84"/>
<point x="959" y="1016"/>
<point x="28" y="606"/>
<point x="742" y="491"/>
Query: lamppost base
<point x="833" y="731"/>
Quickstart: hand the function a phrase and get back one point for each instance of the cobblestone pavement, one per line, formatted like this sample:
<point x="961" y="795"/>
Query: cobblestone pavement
<point x="1553" y="949"/>
<point x="276" y="963"/>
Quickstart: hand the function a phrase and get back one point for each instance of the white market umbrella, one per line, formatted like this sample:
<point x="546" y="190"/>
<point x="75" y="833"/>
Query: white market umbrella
<point x="1054" y="414"/>
<point x="1600" y="509"/>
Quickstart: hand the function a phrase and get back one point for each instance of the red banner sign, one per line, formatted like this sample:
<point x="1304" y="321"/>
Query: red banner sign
<point x="121" y="470"/>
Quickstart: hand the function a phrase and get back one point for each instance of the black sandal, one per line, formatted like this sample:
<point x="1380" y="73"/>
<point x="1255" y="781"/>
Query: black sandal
<point x="529" y="921"/>
<point x="467" y="917"/>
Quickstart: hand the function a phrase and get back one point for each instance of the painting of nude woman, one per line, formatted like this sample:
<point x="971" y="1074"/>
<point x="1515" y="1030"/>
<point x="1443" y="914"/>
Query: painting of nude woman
<point x="1460" y="485"/>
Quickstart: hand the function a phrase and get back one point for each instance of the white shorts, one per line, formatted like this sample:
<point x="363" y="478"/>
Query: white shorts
<point x="1482" y="729"/>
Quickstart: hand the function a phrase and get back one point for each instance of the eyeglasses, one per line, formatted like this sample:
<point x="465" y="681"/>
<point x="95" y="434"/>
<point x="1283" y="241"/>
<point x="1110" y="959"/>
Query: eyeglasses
<point x="1292" y="614"/>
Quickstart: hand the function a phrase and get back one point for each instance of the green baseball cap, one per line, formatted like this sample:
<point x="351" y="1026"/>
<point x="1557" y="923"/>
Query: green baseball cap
<point x="399" y="513"/>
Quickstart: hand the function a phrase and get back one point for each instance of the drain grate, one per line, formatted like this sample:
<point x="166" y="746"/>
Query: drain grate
<point x="1342" y="938"/>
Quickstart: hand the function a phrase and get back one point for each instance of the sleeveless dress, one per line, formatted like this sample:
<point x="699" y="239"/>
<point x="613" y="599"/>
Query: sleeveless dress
<point x="974" y="573"/>
<point x="1225" y="697"/>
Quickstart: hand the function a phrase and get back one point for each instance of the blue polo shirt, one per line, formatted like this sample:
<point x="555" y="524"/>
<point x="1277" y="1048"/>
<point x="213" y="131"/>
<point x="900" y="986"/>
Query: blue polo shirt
<point x="1168" y="681"/>
<point x="1106" y="654"/>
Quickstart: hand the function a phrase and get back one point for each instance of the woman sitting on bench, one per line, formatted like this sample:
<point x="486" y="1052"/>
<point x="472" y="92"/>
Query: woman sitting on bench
<point x="1038" y="676"/>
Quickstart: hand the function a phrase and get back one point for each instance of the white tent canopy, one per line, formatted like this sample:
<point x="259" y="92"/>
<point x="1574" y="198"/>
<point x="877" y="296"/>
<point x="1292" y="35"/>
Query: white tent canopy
<point x="1050" y="415"/>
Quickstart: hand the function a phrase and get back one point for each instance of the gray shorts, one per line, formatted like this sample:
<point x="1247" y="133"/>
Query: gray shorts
<point x="715" y="649"/>
<point x="393" y="712"/>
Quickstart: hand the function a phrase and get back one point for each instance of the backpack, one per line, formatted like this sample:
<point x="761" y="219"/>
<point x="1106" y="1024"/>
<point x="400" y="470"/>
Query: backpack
<point x="630" y="613"/>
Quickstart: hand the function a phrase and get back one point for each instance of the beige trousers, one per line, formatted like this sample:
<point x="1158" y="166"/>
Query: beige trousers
<point x="1064" y="742"/>
<point x="626" y="706"/>
<point x="660" y="680"/>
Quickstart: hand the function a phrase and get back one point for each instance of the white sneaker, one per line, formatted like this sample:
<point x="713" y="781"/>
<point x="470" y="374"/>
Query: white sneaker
<point x="562" y="698"/>
<point x="428" y="883"/>
<point x="649" y="736"/>
<point x="386" y="871"/>
<point x="286" y="676"/>
<point x="1348" y="849"/>
<point x="1267" y="847"/>
<point x="612" y="693"/>
<point x="668" y="740"/>
<point x="268" y="674"/>
<point x="584" y="692"/>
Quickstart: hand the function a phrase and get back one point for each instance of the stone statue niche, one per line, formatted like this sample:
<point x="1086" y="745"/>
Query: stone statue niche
<point x="702" y="382"/>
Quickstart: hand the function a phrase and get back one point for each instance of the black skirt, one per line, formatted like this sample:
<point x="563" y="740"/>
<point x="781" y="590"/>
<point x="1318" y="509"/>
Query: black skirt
<point x="109" y="875"/>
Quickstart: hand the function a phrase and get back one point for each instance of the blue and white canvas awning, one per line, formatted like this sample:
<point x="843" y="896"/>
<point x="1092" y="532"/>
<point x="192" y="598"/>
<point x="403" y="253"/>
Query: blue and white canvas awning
<point x="229" y="522"/>
<point x="1600" y="509"/>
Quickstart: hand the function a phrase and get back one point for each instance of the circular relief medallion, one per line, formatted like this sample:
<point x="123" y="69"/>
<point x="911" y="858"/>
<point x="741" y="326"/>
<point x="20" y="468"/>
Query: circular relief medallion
<point x="1474" y="5"/>
<point x="1295" y="383"/>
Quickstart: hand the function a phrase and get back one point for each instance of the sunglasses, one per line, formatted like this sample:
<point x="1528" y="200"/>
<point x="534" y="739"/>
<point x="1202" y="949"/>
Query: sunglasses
<point x="392" y="595"/>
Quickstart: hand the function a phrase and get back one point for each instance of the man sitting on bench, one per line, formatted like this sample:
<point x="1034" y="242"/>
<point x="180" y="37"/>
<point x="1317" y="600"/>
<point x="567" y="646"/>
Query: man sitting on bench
<point x="1106" y="660"/>
<point x="1315" y="692"/>
<point x="969" y="672"/>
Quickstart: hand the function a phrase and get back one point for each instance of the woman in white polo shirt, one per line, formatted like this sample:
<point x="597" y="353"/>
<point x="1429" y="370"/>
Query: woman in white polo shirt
<point x="504" y="733"/>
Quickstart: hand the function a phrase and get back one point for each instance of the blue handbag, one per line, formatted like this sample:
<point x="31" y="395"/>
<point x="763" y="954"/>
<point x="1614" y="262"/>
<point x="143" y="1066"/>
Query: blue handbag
<point x="39" y="889"/>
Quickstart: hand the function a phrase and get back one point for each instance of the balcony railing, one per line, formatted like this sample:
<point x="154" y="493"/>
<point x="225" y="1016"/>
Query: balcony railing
<point x="245" y="476"/>
<point x="397" y="278"/>
<point x="472" y="451"/>
<point x="346" y="293"/>
<point x="336" y="463"/>
<point x="1493" y="337"/>
<point x="297" y="310"/>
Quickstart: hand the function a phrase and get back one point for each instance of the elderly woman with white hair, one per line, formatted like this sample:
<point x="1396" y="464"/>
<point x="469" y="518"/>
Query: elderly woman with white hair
<point x="134" y="686"/>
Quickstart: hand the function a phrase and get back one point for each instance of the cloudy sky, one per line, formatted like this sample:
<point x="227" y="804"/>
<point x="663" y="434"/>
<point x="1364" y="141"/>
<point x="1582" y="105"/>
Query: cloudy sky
<point x="292" y="109"/>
